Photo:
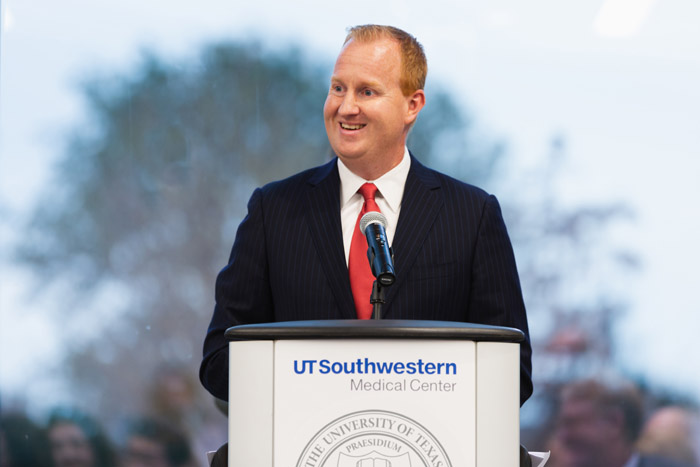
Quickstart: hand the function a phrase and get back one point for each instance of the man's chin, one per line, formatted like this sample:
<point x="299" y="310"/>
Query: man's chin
<point x="349" y="156"/>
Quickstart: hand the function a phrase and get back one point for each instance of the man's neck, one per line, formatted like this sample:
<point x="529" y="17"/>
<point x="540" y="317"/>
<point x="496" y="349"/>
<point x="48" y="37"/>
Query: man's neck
<point x="375" y="168"/>
<point x="372" y="176"/>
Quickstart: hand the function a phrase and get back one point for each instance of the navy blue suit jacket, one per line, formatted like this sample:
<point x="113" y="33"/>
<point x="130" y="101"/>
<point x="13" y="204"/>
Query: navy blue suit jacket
<point x="452" y="254"/>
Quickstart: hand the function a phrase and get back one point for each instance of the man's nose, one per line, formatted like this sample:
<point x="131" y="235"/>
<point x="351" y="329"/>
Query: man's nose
<point x="349" y="106"/>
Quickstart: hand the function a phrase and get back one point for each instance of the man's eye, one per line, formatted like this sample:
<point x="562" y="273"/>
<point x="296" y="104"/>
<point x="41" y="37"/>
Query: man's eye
<point x="337" y="88"/>
<point x="368" y="92"/>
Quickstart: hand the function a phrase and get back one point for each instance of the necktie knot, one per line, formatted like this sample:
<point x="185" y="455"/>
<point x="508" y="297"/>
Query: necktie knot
<point x="368" y="190"/>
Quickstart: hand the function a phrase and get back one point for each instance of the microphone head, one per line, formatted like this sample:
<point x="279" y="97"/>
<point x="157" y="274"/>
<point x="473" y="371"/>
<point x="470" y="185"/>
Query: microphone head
<point x="372" y="217"/>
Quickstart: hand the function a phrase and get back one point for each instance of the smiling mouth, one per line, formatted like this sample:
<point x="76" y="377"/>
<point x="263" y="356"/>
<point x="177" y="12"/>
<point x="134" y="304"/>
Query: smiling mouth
<point x="346" y="126"/>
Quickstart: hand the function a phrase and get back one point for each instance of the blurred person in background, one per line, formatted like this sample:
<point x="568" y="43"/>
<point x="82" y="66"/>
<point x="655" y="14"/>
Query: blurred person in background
<point x="77" y="440"/>
<point x="172" y="395"/>
<point x="672" y="432"/>
<point x="23" y="443"/>
<point x="175" y="398"/>
<point x="598" y="426"/>
<point x="153" y="443"/>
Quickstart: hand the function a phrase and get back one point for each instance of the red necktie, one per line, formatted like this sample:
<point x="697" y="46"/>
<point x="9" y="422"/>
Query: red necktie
<point x="361" y="277"/>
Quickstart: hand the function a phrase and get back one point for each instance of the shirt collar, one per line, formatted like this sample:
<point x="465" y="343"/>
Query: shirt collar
<point x="390" y="185"/>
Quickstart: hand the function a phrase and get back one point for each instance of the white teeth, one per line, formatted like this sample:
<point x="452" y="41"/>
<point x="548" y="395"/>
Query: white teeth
<point x="345" y="126"/>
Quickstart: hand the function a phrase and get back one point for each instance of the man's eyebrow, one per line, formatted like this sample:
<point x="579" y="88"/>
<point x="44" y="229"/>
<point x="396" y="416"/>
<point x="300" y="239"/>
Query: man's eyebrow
<point x="363" y="84"/>
<point x="373" y="84"/>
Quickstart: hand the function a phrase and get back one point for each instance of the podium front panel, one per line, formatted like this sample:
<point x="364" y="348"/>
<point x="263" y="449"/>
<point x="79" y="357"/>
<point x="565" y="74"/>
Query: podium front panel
<point x="375" y="402"/>
<point x="498" y="404"/>
<point x="250" y="411"/>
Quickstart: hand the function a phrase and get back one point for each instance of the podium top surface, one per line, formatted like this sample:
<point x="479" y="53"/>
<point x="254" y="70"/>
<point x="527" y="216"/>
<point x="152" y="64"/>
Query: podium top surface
<point x="374" y="329"/>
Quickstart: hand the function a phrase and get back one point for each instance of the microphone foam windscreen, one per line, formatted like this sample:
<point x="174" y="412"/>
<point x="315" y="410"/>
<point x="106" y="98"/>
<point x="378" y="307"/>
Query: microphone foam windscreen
<point x="372" y="217"/>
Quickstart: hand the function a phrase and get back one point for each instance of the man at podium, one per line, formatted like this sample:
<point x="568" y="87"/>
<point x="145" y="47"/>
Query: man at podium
<point x="299" y="255"/>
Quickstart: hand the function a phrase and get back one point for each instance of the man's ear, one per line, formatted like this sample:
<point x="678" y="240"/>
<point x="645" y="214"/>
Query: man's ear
<point x="416" y="101"/>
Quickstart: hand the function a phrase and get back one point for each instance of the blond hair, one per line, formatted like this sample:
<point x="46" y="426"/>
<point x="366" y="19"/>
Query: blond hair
<point x="414" y="65"/>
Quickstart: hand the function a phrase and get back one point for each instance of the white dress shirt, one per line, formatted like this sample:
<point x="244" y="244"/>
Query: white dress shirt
<point x="390" y="188"/>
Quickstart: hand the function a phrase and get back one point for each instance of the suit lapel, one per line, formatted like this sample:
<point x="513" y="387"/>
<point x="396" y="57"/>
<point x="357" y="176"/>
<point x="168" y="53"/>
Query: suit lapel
<point x="421" y="203"/>
<point x="323" y="215"/>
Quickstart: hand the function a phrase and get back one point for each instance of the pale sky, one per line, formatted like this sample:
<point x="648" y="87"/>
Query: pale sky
<point x="618" y="78"/>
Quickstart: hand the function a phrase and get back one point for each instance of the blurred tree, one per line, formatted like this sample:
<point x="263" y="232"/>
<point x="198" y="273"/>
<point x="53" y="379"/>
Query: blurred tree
<point x="572" y="270"/>
<point x="149" y="193"/>
<point x="576" y="276"/>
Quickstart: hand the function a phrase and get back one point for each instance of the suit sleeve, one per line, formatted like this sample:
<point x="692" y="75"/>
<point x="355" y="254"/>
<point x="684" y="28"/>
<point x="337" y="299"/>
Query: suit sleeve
<point x="496" y="295"/>
<point x="242" y="296"/>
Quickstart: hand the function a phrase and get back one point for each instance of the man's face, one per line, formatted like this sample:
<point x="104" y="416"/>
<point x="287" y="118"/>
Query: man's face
<point x="366" y="114"/>
<point x="70" y="447"/>
<point x="584" y="434"/>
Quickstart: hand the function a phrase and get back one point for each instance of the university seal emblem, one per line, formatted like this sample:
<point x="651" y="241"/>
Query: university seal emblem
<point x="373" y="438"/>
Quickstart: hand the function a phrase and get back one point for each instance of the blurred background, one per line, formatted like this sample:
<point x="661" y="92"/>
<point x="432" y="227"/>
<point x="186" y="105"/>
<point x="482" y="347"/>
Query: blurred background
<point x="132" y="134"/>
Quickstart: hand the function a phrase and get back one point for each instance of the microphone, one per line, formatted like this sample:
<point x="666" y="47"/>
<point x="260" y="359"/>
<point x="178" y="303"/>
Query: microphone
<point x="380" y="255"/>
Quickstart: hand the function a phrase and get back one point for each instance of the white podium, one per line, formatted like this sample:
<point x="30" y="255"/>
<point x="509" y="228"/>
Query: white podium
<point x="376" y="393"/>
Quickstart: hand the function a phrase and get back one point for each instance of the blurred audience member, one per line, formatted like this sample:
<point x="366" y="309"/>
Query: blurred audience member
<point x="77" y="440"/>
<point x="177" y="398"/>
<point x="598" y="425"/>
<point x="673" y="432"/>
<point x="22" y="443"/>
<point x="173" y="394"/>
<point x="152" y="443"/>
